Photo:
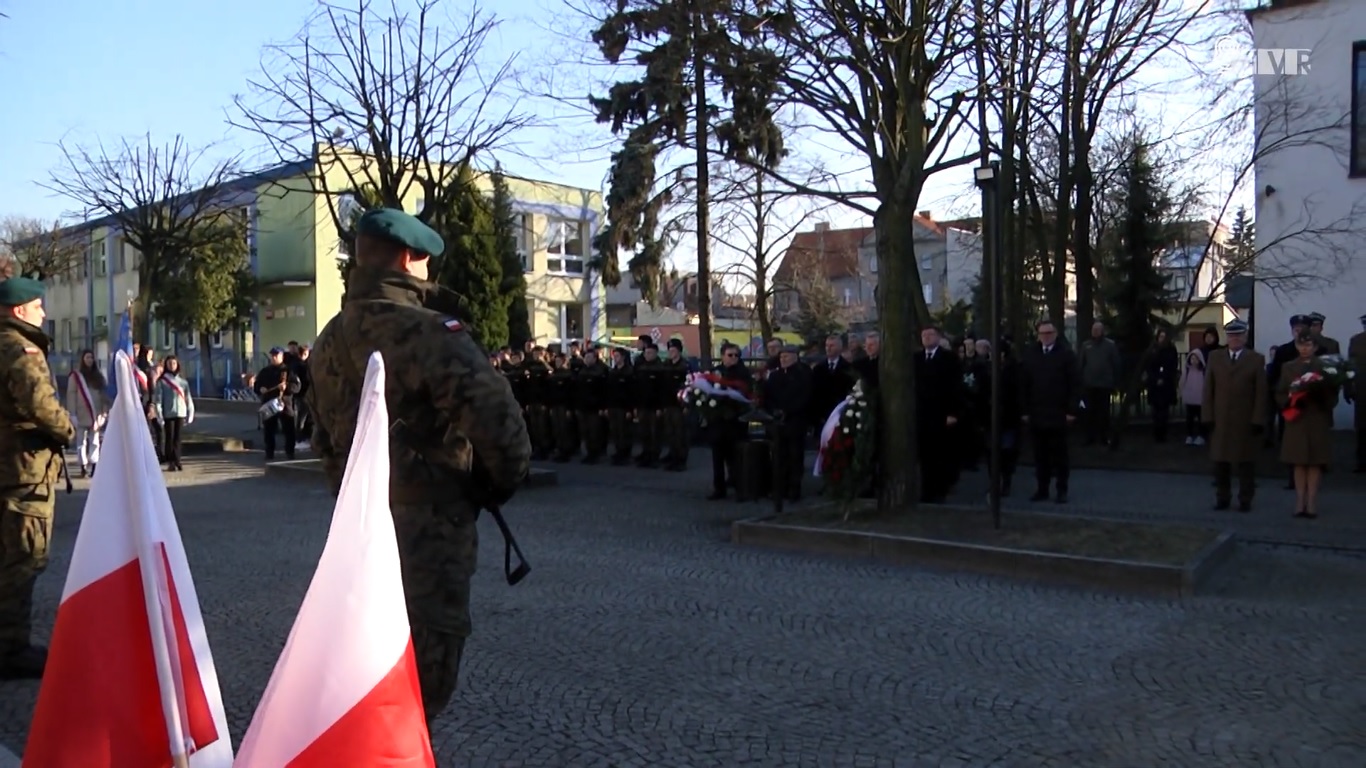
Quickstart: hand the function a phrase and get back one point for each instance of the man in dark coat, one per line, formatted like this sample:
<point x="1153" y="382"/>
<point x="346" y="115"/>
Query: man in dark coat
<point x="788" y="391"/>
<point x="831" y="380"/>
<point x="939" y="401"/>
<point x="278" y="381"/>
<point x="1050" y="383"/>
<point x="726" y="434"/>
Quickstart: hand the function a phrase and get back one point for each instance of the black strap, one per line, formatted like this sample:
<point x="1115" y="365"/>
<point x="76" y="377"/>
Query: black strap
<point x="513" y="575"/>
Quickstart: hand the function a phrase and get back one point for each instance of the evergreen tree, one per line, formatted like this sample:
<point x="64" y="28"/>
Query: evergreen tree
<point x="1133" y="284"/>
<point x="472" y="267"/>
<point x="1242" y="243"/>
<point x="819" y="314"/>
<point x="505" y="224"/>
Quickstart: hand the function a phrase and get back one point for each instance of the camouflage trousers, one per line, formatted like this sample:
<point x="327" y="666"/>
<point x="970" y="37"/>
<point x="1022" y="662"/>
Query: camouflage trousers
<point x="25" y="531"/>
<point x="438" y="546"/>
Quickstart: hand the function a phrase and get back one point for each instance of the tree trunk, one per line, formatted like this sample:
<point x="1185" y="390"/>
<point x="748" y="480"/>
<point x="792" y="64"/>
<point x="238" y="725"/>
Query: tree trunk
<point x="1084" y="180"/>
<point x="703" y="197"/>
<point x="895" y="231"/>
<point x="761" y="260"/>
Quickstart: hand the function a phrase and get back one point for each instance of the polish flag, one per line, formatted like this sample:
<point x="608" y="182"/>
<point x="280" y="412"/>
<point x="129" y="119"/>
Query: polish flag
<point x="130" y="682"/>
<point x="345" y="689"/>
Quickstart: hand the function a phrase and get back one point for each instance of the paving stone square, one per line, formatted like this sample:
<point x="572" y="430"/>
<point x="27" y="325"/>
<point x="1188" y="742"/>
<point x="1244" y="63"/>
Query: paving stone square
<point x="643" y="638"/>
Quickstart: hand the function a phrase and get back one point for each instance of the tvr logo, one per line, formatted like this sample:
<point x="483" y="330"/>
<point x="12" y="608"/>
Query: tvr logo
<point x="1231" y="56"/>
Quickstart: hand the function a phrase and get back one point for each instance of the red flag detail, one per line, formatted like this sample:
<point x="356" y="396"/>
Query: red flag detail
<point x="100" y="702"/>
<point x="386" y="728"/>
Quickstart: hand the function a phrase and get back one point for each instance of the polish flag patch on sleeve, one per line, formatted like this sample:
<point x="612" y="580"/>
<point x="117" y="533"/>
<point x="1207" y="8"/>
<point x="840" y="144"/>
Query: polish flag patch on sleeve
<point x="454" y="325"/>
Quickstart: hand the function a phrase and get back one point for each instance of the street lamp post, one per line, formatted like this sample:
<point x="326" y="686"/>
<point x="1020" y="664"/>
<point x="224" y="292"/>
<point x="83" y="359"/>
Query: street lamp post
<point x="988" y="180"/>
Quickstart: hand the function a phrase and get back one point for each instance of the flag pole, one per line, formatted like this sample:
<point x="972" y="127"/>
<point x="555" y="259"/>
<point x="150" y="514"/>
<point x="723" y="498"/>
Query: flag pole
<point x="150" y="565"/>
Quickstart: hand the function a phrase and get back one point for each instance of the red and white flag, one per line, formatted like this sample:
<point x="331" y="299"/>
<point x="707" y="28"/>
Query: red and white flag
<point x="345" y="690"/>
<point x="129" y="682"/>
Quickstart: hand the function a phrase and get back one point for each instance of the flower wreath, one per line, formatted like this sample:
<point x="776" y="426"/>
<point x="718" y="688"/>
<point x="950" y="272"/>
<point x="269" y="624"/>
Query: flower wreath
<point x="848" y="443"/>
<point x="713" y="397"/>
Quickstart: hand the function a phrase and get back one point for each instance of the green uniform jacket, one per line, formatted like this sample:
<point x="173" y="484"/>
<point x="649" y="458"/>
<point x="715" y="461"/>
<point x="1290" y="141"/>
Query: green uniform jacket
<point x="457" y="432"/>
<point x="34" y="427"/>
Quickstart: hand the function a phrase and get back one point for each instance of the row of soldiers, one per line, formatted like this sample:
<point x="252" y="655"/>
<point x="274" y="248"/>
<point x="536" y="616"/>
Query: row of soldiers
<point x="577" y="403"/>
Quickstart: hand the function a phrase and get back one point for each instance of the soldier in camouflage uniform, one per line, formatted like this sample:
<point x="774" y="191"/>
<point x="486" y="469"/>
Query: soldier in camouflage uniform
<point x="458" y="442"/>
<point x="34" y="429"/>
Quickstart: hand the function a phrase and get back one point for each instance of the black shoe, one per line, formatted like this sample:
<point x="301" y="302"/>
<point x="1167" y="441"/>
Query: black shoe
<point x="716" y="495"/>
<point x="1039" y="496"/>
<point x="25" y="664"/>
<point x="1245" y="506"/>
<point x="1062" y="497"/>
<point x="1221" y="505"/>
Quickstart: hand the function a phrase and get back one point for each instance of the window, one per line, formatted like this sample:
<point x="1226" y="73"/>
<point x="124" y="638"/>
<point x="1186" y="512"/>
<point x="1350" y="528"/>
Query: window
<point x="191" y="339"/>
<point x="85" y="263"/>
<point x="64" y="343"/>
<point x="216" y="340"/>
<point x="84" y="327"/>
<point x="568" y="322"/>
<point x="101" y="259"/>
<point x="120" y="256"/>
<point x="564" y="247"/>
<point x="1358" y="138"/>
<point x="520" y="227"/>
<point x="848" y="297"/>
<point x="167" y="337"/>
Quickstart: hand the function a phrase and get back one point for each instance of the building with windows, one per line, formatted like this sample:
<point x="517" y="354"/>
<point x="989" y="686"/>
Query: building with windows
<point x="294" y="250"/>
<point x="1310" y="168"/>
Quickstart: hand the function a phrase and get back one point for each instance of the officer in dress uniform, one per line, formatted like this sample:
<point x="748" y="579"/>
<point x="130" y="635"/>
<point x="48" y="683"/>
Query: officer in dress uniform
<point x="1327" y="344"/>
<point x="1234" y="410"/>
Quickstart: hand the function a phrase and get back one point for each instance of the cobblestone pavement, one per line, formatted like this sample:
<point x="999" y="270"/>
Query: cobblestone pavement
<point x="642" y="638"/>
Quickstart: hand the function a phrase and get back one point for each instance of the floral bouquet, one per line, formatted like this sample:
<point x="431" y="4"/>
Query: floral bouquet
<point x="1336" y="373"/>
<point x="713" y="397"/>
<point x="848" y="442"/>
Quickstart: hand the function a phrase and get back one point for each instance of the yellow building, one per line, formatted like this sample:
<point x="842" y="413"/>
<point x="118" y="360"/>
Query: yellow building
<point x="294" y="249"/>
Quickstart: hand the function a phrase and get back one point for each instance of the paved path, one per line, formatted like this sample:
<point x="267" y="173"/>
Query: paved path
<point x="642" y="638"/>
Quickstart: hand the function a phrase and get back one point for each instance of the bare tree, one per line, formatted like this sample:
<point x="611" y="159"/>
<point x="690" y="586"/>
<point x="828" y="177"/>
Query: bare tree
<point x="383" y="103"/>
<point x="164" y="200"/>
<point x="39" y="249"/>
<point x="755" y="223"/>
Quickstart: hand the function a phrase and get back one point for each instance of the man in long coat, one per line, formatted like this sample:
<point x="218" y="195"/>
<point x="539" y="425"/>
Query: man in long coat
<point x="1234" y="411"/>
<point x="1356" y="351"/>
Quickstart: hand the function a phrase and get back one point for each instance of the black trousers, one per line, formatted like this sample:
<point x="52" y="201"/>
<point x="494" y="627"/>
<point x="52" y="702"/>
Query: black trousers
<point x="171" y="442"/>
<point x="1051" y="460"/>
<point x="1162" y="416"/>
<point x="283" y="422"/>
<point x="792" y="454"/>
<point x="1195" y="427"/>
<point x="155" y="429"/>
<point x="1097" y="415"/>
<point x="725" y="456"/>
<point x="939" y="462"/>
<point x="1223" y="481"/>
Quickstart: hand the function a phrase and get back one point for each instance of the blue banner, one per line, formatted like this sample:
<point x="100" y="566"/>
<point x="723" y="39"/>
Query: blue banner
<point x="123" y="342"/>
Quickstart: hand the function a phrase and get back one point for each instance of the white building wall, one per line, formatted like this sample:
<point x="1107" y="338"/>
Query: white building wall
<point x="1310" y="214"/>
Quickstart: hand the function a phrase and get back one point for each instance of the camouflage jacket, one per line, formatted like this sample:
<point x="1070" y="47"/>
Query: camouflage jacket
<point x="34" y="426"/>
<point x="457" y="432"/>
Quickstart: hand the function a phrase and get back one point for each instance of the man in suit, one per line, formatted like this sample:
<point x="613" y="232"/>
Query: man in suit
<point x="789" y="392"/>
<point x="938" y="404"/>
<point x="831" y="380"/>
<point x="1234" y="411"/>
<point x="1356" y="392"/>
<point x="865" y="370"/>
<point x="1050" y="383"/>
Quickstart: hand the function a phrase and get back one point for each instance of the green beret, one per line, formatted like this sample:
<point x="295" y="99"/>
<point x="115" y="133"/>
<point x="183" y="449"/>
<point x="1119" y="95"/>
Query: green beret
<point x="398" y="227"/>
<point x="20" y="290"/>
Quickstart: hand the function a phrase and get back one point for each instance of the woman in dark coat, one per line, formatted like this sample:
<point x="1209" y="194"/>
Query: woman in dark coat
<point x="1160" y="379"/>
<point x="1307" y="445"/>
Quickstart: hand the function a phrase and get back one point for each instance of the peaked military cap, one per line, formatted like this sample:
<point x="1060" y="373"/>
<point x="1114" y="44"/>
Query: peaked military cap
<point x="398" y="227"/>
<point x="1236" y="327"/>
<point x="1299" y="320"/>
<point x="1362" y="319"/>
<point x="1317" y="317"/>
<point x="793" y="349"/>
<point x="20" y="290"/>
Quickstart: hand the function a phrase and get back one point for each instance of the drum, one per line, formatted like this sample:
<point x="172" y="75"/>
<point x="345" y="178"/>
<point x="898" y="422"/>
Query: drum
<point x="271" y="408"/>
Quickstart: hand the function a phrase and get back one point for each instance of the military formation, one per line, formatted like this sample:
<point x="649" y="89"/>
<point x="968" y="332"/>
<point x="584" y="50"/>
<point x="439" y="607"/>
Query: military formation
<point x="623" y="409"/>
